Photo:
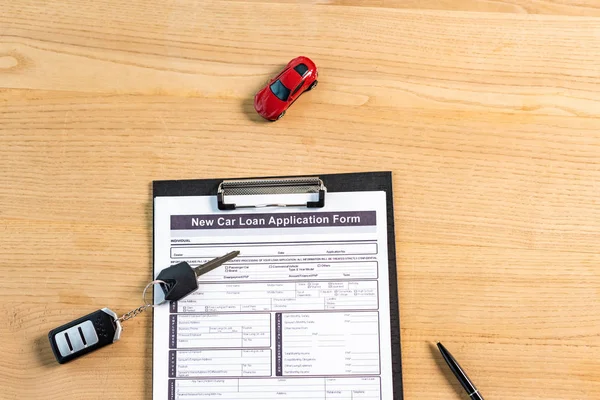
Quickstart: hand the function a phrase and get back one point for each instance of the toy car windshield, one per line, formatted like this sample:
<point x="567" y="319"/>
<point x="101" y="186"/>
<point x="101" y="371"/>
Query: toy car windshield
<point x="280" y="90"/>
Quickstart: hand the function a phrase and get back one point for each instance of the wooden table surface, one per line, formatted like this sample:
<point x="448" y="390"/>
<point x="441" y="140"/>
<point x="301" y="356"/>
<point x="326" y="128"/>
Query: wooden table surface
<point x="487" y="112"/>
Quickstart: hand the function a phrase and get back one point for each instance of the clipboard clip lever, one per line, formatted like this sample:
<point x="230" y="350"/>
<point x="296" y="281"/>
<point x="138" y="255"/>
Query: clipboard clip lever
<point x="242" y="187"/>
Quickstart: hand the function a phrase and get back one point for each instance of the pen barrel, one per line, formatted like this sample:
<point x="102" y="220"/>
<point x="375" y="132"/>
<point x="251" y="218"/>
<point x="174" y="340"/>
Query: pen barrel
<point x="476" y="396"/>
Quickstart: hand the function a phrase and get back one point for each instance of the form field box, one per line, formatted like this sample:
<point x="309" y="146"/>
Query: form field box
<point x="273" y="250"/>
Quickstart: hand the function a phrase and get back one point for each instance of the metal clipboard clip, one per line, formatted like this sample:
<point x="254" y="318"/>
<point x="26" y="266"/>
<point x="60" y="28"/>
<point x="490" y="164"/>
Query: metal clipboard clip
<point x="241" y="187"/>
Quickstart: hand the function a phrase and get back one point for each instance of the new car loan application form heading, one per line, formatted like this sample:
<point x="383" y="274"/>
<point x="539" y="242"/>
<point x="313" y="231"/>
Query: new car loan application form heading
<point x="301" y="313"/>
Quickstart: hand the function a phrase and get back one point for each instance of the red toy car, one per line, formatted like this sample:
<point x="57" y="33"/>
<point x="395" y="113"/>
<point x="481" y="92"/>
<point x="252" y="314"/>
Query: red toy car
<point x="299" y="76"/>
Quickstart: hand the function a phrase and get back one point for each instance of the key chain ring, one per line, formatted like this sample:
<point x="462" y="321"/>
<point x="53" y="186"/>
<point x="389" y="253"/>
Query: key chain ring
<point x="146" y="303"/>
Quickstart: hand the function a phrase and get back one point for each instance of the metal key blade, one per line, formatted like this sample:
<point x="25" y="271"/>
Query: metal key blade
<point x="212" y="264"/>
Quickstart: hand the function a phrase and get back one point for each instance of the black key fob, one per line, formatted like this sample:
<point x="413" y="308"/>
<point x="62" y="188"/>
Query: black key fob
<point x="84" y="335"/>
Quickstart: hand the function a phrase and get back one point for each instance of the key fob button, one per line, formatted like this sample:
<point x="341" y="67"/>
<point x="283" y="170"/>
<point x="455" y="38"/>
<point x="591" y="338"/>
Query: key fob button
<point x="76" y="338"/>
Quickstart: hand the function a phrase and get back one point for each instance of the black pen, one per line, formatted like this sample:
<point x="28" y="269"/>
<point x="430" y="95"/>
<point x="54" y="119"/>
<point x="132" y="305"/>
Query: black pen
<point x="460" y="374"/>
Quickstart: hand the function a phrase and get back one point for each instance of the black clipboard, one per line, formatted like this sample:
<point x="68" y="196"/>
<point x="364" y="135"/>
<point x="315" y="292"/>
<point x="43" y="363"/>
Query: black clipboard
<point x="345" y="182"/>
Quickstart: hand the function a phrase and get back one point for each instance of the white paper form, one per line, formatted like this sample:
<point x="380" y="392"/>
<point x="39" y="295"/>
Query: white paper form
<point x="302" y="312"/>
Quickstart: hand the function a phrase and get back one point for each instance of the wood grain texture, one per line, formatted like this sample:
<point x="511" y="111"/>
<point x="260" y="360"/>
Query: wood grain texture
<point x="548" y="7"/>
<point x="489" y="121"/>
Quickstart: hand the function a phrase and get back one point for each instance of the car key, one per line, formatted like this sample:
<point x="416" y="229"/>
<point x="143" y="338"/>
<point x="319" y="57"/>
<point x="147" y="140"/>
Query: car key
<point x="103" y="327"/>
<point x="84" y="335"/>
<point x="181" y="279"/>
<point x="92" y="332"/>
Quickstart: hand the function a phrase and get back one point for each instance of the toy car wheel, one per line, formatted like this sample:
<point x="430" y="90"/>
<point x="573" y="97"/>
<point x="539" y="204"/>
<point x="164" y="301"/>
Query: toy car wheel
<point x="313" y="85"/>
<point x="281" y="115"/>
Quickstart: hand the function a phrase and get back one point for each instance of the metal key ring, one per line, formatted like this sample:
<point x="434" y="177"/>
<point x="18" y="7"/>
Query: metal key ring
<point x="146" y="303"/>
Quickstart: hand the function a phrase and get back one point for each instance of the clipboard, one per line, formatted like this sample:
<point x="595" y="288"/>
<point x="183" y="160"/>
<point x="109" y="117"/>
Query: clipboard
<point x="319" y="185"/>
